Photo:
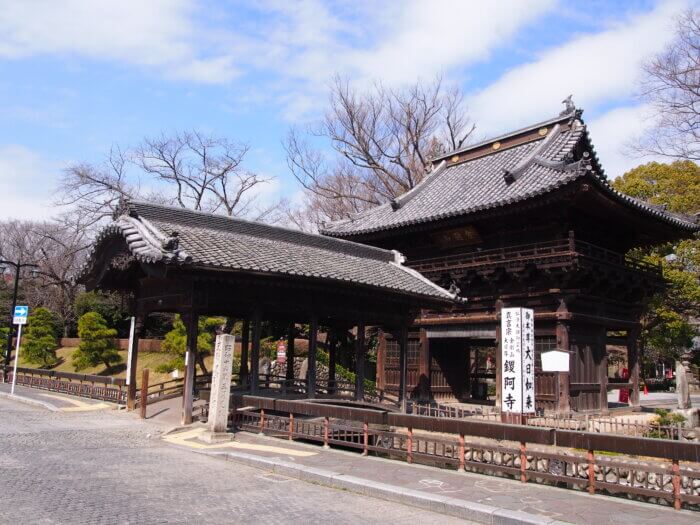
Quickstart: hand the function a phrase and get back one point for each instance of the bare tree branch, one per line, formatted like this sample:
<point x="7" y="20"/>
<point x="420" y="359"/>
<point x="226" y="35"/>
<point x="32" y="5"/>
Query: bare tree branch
<point x="383" y="139"/>
<point x="671" y="85"/>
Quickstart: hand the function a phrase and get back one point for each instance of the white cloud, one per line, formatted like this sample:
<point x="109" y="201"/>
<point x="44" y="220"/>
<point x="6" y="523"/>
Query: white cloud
<point x="25" y="192"/>
<point x="612" y="135"/>
<point x="427" y="38"/>
<point x="156" y="33"/>
<point x="596" y="68"/>
<point x="396" y="43"/>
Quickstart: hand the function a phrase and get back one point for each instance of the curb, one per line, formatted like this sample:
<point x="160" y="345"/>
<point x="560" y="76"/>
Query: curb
<point x="473" y="511"/>
<point x="29" y="401"/>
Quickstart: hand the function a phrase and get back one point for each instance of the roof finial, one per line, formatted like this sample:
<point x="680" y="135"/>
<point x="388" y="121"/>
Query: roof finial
<point x="570" y="106"/>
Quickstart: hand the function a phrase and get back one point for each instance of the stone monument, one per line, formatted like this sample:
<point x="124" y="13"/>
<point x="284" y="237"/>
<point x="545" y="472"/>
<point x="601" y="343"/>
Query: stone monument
<point x="220" y="389"/>
<point x="682" y="389"/>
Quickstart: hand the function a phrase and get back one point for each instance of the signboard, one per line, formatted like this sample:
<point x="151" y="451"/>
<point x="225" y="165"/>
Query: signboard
<point x="20" y="315"/>
<point x="555" y="361"/>
<point x="281" y="352"/>
<point x="464" y="236"/>
<point x="518" y="360"/>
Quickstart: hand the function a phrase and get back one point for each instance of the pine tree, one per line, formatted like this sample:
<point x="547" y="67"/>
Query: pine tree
<point x="40" y="342"/>
<point x="96" y="343"/>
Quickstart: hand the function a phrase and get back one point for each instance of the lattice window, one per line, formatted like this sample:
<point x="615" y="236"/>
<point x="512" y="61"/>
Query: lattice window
<point x="412" y="356"/>
<point x="543" y="343"/>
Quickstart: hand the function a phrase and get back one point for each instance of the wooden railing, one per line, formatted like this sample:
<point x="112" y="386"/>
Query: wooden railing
<point x="540" y="251"/>
<point x="571" y="421"/>
<point x="522" y="452"/>
<point x="105" y="388"/>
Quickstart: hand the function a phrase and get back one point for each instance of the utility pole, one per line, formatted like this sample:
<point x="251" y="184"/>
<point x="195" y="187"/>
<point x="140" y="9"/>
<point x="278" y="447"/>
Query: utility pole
<point x="18" y="267"/>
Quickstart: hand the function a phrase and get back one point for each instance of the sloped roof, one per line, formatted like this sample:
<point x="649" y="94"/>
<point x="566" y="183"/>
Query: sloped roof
<point x="156" y="233"/>
<point x="515" y="167"/>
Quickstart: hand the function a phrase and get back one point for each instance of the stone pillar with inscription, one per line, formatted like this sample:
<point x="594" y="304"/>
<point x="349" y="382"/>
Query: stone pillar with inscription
<point x="217" y="423"/>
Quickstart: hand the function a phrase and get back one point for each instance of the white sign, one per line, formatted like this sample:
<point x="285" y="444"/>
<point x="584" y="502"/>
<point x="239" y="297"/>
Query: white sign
<point x="281" y="352"/>
<point x="555" y="361"/>
<point x="518" y="360"/>
<point x="20" y="315"/>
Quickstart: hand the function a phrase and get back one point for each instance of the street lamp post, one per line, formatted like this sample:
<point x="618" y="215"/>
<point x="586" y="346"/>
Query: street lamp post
<point x="17" y="266"/>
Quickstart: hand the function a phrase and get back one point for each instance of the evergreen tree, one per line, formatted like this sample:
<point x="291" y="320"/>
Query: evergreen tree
<point x="175" y="342"/>
<point x="667" y="330"/>
<point x="96" y="343"/>
<point x="40" y="340"/>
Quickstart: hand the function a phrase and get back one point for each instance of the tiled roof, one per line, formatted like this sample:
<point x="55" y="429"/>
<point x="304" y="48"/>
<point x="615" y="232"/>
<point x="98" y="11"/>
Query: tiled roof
<point x="156" y="233"/>
<point x="511" y="168"/>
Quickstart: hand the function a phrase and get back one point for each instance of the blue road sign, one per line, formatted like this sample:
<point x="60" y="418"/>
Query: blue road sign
<point x="20" y="315"/>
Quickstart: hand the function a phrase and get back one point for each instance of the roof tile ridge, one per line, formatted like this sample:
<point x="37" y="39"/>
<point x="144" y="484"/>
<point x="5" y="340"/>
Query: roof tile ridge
<point x="399" y="201"/>
<point x="398" y="262"/>
<point x="498" y="138"/>
<point x="379" y="254"/>
<point x="686" y="222"/>
<point x="511" y="175"/>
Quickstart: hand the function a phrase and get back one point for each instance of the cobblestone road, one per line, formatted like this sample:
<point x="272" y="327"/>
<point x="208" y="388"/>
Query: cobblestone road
<point x="106" y="467"/>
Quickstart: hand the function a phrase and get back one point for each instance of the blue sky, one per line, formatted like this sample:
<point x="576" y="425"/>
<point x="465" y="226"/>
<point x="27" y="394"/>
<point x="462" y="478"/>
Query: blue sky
<point x="77" y="77"/>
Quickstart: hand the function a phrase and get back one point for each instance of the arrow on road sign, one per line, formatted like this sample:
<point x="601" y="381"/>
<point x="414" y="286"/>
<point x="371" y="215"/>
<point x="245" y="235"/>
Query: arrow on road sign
<point x="21" y="311"/>
<point x="20" y="315"/>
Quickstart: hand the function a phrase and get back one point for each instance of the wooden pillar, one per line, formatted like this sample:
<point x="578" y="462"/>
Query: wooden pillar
<point x="499" y="364"/>
<point x="255" y="352"/>
<point x="563" y="403"/>
<point x="633" y="365"/>
<point x="360" y="362"/>
<point x="424" y="366"/>
<point x="381" y="359"/>
<point x="311" y="370"/>
<point x="332" y="348"/>
<point x="191" y="321"/>
<point x="133" y="357"/>
<point x="403" y="365"/>
<point x="289" y="375"/>
<point x="243" y="375"/>
<point x="601" y="344"/>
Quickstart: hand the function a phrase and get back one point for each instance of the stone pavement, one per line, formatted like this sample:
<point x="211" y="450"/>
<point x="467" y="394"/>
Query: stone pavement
<point x="481" y="498"/>
<point x="107" y="466"/>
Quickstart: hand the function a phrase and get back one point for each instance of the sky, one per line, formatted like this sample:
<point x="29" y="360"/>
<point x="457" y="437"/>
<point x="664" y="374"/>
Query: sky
<point x="78" y="77"/>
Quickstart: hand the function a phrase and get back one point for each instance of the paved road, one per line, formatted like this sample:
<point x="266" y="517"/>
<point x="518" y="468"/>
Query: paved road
<point x="106" y="467"/>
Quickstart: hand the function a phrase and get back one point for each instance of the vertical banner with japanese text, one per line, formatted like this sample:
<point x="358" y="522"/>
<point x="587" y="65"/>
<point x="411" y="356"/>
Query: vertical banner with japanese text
<point x="517" y="360"/>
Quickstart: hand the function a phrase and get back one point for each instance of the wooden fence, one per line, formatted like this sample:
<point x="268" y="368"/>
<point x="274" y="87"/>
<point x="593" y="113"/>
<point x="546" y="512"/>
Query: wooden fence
<point x="572" y="421"/>
<point x="105" y="388"/>
<point x="590" y="461"/>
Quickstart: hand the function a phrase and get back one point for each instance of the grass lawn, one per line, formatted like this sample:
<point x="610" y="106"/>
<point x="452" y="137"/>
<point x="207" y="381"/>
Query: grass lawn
<point x="148" y="360"/>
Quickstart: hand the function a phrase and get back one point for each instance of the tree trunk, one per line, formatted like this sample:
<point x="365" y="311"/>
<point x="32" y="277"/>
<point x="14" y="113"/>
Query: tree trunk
<point x="200" y="362"/>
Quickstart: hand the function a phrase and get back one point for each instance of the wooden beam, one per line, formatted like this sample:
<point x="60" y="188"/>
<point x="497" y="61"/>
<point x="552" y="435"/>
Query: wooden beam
<point x="332" y="349"/>
<point x="255" y="352"/>
<point x="244" y="373"/>
<point x="633" y="365"/>
<point x="563" y="401"/>
<point x="191" y="321"/>
<point x="291" y="333"/>
<point x="403" y="365"/>
<point x="131" y="390"/>
<point x="424" y="366"/>
<point x="311" y="369"/>
<point x="381" y="359"/>
<point x="360" y="362"/>
<point x="499" y="360"/>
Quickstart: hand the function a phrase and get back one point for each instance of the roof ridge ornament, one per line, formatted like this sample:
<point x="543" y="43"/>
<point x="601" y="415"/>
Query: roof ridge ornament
<point x="569" y="108"/>
<point x="123" y="208"/>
